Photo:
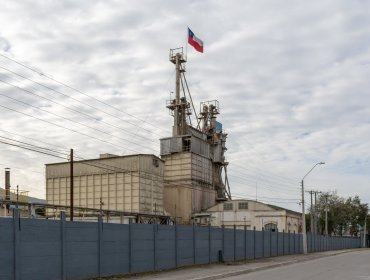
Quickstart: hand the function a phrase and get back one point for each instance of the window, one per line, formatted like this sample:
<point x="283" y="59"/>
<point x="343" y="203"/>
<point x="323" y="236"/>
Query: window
<point x="228" y="206"/>
<point x="155" y="162"/>
<point x="243" y="205"/>
<point x="271" y="226"/>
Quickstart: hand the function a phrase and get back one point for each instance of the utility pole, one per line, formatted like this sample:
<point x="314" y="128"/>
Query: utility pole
<point x="314" y="217"/>
<point x="7" y="188"/>
<point x="326" y="214"/>
<point x="365" y="235"/>
<point x="304" y="233"/>
<point x="71" y="186"/>
<point x="315" y="213"/>
<point x="312" y="229"/>
<point x="17" y="196"/>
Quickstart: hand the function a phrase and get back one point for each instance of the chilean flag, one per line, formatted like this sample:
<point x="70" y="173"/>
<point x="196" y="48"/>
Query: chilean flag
<point x="194" y="41"/>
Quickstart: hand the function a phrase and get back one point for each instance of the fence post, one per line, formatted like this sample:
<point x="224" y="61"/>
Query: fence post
<point x="254" y="242"/>
<point x="288" y="242"/>
<point x="234" y="243"/>
<point x="223" y="242"/>
<point x="100" y="244"/>
<point x="245" y="242"/>
<point x="130" y="245"/>
<point x="155" y="229"/>
<point x="193" y="243"/>
<point x="176" y="253"/>
<point x="263" y="242"/>
<point x="63" y="244"/>
<point x="209" y="243"/>
<point x="16" y="230"/>
<point x="283" y="242"/>
<point x="277" y="242"/>
<point x="294" y="242"/>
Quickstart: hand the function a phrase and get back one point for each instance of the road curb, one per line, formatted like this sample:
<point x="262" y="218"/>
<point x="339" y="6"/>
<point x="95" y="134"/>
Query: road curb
<point x="265" y="267"/>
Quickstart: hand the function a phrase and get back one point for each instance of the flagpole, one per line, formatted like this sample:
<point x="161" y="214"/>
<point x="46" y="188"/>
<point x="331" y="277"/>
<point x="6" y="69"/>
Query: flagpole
<point x="186" y="43"/>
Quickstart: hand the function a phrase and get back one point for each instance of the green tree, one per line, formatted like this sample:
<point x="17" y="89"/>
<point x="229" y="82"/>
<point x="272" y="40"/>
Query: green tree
<point x="345" y="216"/>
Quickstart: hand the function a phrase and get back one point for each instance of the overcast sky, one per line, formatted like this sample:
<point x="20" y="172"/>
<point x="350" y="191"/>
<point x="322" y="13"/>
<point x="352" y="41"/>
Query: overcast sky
<point x="292" y="79"/>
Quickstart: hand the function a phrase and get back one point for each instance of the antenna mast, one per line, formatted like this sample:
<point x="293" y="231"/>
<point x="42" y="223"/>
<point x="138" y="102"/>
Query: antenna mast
<point x="179" y="106"/>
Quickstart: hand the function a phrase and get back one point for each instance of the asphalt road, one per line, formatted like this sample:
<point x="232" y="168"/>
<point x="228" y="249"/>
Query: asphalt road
<point x="348" y="266"/>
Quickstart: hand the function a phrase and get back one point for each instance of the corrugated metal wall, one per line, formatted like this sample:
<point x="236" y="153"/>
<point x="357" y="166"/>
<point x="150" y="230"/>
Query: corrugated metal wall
<point x="188" y="184"/>
<point x="140" y="189"/>
<point x="46" y="249"/>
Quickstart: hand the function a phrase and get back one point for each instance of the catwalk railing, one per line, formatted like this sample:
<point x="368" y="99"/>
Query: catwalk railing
<point x="59" y="249"/>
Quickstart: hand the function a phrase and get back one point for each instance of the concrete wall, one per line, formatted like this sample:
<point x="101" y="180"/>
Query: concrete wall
<point x="47" y="249"/>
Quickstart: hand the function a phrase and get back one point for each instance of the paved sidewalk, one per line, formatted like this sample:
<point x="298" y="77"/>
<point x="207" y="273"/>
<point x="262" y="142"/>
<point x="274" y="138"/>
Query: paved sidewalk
<point x="219" y="271"/>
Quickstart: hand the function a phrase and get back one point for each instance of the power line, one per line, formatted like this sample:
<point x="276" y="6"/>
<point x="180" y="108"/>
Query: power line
<point x="103" y="166"/>
<point x="100" y="165"/>
<point x="31" y="149"/>
<point x="277" y="187"/>
<point x="266" y="201"/>
<point x="75" y="131"/>
<point x="282" y="178"/>
<point x="70" y="108"/>
<point x="268" y="197"/>
<point x="282" y="187"/>
<point x="31" y="145"/>
<point x="27" y="137"/>
<point x="89" y="96"/>
<point x="73" y="121"/>
<point x="34" y="171"/>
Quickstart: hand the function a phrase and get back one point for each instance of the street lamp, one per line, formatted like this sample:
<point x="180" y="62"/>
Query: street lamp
<point x="365" y="232"/>
<point x="304" y="235"/>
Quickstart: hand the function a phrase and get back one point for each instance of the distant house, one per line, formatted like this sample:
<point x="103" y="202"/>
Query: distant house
<point x="250" y="213"/>
<point x="25" y="203"/>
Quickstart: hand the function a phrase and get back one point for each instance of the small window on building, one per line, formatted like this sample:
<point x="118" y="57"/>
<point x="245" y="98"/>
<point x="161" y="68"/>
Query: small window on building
<point x="155" y="162"/>
<point x="243" y="205"/>
<point x="228" y="206"/>
<point x="271" y="226"/>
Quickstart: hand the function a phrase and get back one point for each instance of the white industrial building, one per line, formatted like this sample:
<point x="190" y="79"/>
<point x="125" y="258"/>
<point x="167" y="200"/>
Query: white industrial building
<point x="132" y="183"/>
<point x="250" y="213"/>
<point x="195" y="167"/>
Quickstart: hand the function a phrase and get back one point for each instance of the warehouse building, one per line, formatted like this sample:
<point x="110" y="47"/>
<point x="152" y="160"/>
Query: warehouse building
<point x="132" y="183"/>
<point x="250" y="213"/>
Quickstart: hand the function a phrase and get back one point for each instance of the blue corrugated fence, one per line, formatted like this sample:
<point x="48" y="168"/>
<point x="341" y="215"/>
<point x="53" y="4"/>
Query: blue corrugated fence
<point x="48" y="249"/>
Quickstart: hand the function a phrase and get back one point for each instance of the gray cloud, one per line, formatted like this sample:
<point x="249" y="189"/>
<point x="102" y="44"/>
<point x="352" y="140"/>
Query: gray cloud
<point x="291" y="78"/>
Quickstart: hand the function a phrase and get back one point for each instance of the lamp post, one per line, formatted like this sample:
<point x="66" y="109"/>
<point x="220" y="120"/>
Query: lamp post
<point x="365" y="231"/>
<point x="304" y="234"/>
